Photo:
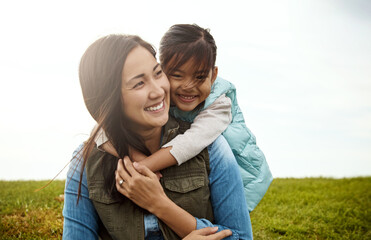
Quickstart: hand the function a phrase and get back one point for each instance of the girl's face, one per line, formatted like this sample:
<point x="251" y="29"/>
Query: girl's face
<point x="145" y="90"/>
<point x="186" y="91"/>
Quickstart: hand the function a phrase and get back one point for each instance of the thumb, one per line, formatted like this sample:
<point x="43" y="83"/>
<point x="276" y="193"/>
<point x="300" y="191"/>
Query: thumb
<point x="207" y="231"/>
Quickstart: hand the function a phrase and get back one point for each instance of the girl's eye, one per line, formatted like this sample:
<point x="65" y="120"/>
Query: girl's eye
<point x="176" y="76"/>
<point x="200" y="77"/>
<point x="138" y="84"/>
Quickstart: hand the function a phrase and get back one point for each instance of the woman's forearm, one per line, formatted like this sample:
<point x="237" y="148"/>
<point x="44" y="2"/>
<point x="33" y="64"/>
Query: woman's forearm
<point x="176" y="218"/>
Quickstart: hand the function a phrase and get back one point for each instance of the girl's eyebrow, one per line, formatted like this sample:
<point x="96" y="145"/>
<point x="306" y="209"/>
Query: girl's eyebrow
<point x="177" y="70"/>
<point x="201" y="71"/>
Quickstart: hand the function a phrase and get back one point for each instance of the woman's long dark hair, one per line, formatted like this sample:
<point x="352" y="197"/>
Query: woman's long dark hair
<point x="100" y="75"/>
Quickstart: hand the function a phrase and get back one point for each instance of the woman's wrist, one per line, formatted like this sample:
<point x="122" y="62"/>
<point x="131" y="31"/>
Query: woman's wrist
<point x="160" y="206"/>
<point x="179" y="220"/>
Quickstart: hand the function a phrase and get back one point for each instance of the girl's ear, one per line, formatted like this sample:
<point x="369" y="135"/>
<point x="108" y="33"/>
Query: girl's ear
<point x="214" y="74"/>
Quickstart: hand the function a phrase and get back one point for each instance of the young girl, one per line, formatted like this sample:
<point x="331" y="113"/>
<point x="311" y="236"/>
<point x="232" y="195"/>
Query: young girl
<point x="188" y="55"/>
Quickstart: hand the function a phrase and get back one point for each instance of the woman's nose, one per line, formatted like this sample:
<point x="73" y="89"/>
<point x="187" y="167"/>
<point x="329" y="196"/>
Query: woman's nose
<point x="156" y="90"/>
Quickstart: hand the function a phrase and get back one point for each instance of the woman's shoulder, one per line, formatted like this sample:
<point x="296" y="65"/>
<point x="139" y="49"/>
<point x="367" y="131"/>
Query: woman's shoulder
<point x="76" y="159"/>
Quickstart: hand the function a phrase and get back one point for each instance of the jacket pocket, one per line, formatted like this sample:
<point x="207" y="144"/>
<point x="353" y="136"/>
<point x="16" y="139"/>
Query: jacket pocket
<point x="98" y="193"/>
<point x="184" y="184"/>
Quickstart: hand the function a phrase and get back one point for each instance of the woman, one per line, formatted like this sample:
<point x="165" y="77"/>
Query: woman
<point x="127" y="93"/>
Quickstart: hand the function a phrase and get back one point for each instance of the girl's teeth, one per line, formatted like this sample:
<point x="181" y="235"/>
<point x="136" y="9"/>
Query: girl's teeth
<point x="186" y="97"/>
<point x="155" y="108"/>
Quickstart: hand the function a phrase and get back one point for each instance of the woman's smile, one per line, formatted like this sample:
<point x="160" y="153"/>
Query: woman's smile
<point x="145" y="91"/>
<point x="156" y="108"/>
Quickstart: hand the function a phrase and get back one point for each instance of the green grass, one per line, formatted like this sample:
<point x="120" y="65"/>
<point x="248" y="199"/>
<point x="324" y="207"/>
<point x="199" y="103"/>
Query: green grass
<point x="26" y="214"/>
<point x="313" y="208"/>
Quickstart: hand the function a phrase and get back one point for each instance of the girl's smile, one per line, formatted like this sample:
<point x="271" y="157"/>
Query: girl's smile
<point x="188" y="88"/>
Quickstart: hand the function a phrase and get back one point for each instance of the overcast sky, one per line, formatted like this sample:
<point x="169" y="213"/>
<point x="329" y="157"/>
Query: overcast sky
<point x="302" y="71"/>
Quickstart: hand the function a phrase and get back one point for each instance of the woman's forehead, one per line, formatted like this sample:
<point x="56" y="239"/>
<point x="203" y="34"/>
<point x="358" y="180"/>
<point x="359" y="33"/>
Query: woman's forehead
<point x="139" y="61"/>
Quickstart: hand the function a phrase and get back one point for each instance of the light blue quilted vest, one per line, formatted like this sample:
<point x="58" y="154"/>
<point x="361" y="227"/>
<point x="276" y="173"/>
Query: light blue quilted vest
<point x="254" y="169"/>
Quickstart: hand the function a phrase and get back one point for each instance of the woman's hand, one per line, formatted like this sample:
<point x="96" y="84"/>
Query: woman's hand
<point x="209" y="233"/>
<point x="139" y="184"/>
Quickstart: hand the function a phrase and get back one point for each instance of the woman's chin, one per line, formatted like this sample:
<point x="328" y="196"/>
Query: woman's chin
<point x="160" y="121"/>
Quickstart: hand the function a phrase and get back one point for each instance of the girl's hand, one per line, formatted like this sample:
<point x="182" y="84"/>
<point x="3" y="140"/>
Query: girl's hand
<point x="137" y="156"/>
<point x="208" y="233"/>
<point x="139" y="184"/>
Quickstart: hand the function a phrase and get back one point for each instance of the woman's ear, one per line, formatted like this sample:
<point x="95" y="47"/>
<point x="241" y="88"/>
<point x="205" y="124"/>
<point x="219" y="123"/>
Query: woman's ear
<point x="214" y="74"/>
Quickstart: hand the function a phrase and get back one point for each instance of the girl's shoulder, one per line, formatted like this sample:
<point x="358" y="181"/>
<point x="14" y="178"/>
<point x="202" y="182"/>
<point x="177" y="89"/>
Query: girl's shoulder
<point x="220" y="87"/>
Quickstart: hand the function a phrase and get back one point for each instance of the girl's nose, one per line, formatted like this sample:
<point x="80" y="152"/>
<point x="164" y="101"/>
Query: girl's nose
<point x="189" y="84"/>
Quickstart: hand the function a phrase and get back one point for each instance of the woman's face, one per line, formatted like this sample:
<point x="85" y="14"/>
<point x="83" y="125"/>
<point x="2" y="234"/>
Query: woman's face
<point x="145" y="90"/>
<point x="185" y="88"/>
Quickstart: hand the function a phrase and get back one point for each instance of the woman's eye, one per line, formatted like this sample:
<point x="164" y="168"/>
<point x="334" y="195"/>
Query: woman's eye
<point x="138" y="84"/>
<point x="159" y="73"/>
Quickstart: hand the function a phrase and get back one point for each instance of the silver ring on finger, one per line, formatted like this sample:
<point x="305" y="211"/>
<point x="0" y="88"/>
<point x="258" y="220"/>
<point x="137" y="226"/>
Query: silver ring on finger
<point x="121" y="182"/>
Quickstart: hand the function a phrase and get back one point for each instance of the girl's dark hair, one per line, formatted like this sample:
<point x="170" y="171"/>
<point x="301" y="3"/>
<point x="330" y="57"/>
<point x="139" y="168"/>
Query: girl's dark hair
<point x="100" y="75"/>
<point x="183" y="42"/>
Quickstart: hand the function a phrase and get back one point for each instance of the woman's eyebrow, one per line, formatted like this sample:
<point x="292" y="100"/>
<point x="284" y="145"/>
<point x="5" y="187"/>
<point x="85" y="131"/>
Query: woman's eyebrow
<point x="137" y="76"/>
<point x="156" y="66"/>
<point x="142" y="74"/>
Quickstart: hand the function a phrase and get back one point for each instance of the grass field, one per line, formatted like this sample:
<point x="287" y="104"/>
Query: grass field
<point x="313" y="208"/>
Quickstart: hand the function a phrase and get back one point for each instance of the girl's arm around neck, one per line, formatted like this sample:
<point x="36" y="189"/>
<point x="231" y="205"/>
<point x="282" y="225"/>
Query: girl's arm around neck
<point x="206" y="127"/>
<point x="157" y="161"/>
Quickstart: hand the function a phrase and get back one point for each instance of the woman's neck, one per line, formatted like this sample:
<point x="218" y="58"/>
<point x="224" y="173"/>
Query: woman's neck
<point x="152" y="139"/>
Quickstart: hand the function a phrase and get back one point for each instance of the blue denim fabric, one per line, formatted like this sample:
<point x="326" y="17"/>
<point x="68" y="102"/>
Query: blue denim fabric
<point x="152" y="229"/>
<point x="227" y="198"/>
<point x="81" y="220"/>
<point x="227" y="193"/>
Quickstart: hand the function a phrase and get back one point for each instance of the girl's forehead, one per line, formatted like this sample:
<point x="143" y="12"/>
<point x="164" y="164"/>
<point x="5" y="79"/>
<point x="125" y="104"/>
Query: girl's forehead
<point x="192" y="65"/>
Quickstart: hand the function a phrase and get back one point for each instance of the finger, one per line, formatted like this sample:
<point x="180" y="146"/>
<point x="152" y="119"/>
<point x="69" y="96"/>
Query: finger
<point x="122" y="172"/>
<point x="129" y="166"/>
<point x="120" y="166"/>
<point x="220" y="235"/>
<point x="142" y="169"/>
<point x="207" y="231"/>
<point x="158" y="175"/>
<point x="122" y="188"/>
<point x="118" y="179"/>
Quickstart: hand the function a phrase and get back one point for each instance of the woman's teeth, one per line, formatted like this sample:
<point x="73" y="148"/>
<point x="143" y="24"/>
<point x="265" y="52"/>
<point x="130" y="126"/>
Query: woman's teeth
<point x="156" y="107"/>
